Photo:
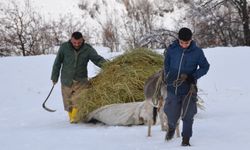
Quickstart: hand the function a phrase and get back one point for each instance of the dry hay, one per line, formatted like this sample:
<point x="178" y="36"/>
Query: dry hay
<point x="120" y="81"/>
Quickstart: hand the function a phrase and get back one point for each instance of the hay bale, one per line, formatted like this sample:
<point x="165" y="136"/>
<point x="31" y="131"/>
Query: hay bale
<point x="120" y="81"/>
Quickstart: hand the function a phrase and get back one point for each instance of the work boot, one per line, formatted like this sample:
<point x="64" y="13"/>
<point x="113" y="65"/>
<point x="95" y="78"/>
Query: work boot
<point x="185" y="141"/>
<point x="73" y="118"/>
<point x="169" y="134"/>
<point x="70" y="116"/>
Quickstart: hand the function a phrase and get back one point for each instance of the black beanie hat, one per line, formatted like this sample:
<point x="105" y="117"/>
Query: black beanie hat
<point x="76" y="35"/>
<point x="185" y="34"/>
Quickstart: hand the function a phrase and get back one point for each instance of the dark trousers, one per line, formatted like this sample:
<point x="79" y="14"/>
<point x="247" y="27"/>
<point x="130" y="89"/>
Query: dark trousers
<point x="180" y="106"/>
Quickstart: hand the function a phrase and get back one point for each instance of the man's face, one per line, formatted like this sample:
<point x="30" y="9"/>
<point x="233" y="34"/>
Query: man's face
<point x="77" y="43"/>
<point x="184" y="44"/>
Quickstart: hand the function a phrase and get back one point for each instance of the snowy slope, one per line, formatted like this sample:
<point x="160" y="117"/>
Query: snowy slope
<point x="25" y="83"/>
<point x="101" y="12"/>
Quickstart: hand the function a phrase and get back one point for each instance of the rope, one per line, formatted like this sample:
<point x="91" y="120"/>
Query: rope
<point x="188" y="98"/>
<point x="156" y="94"/>
<point x="178" y="82"/>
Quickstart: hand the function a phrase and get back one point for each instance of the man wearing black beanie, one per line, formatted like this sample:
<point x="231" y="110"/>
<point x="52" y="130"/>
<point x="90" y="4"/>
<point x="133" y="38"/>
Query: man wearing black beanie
<point x="184" y="64"/>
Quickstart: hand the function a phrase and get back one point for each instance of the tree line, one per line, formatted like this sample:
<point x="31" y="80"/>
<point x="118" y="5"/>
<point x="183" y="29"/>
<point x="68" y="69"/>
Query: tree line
<point x="24" y="31"/>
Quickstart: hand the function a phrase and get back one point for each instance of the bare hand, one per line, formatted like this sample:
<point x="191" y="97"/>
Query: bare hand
<point x="54" y="83"/>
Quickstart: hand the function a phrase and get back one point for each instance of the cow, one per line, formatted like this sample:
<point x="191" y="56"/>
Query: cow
<point x="155" y="93"/>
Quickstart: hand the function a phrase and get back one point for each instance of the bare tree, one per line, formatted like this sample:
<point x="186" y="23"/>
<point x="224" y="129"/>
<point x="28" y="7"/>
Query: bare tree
<point x="65" y="26"/>
<point x="137" y="19"/>
<point x="24" y="31"/>
<point x="219" y="23"/>
<point x="159" y="38"/>
<point x="243" y="10"/>
<point x="110" y="36"/>
<point x="138" y="22"/>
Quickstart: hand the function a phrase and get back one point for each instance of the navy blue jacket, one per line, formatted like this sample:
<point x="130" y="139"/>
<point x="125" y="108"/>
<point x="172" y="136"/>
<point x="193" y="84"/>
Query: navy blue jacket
<point x="190" y="61"/>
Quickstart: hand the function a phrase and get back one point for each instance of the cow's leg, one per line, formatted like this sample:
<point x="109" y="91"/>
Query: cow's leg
<point x="149" y="115"/>
<point x="162" y="115"/>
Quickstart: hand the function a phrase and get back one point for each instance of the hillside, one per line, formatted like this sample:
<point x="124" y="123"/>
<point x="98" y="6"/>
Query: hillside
<point x="25" y="83"/>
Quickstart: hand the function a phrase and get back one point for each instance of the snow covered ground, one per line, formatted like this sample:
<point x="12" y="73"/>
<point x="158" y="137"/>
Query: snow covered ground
<point x="51" y="9"/>
<point x="25" y="83"/>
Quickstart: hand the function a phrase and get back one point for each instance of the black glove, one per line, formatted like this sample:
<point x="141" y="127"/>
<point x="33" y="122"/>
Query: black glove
<point x="190" y="79"/>
<point x="193" y="88"/>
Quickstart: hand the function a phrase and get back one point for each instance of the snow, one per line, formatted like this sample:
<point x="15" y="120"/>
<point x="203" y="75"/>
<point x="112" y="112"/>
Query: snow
<point x="54" y="9"/>
<point x="51" y="9"/>
<point x="24" y="124"/>
<point x="108" y="10"/>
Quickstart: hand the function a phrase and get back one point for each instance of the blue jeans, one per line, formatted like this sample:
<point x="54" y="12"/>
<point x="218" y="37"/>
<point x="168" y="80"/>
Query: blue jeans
<point x="174" y="107"/>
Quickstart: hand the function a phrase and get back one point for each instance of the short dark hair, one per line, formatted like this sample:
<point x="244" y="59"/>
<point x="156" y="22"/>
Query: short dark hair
<point x="76" y="35"/>
<point x="185" y="34"/>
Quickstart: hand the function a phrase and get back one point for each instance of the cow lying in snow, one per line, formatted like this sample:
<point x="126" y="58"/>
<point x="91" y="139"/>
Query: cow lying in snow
<point x="138" y="113"/>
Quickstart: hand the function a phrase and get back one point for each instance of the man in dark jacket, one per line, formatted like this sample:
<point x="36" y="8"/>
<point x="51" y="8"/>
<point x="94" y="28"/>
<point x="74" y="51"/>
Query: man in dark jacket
<point x="184" y="63"/>
<point x="72" y="59"/>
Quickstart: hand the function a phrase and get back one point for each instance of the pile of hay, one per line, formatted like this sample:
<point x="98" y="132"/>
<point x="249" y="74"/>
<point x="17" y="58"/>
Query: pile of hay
<point x="120" y="81"/>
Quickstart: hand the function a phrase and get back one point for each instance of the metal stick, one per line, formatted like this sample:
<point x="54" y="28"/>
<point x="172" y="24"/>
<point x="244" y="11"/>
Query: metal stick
<point x="46" y="108"/>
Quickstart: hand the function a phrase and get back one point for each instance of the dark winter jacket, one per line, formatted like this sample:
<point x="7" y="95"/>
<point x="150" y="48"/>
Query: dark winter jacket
<point x="190" y="61"/>
<point x="74" y="63"/>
